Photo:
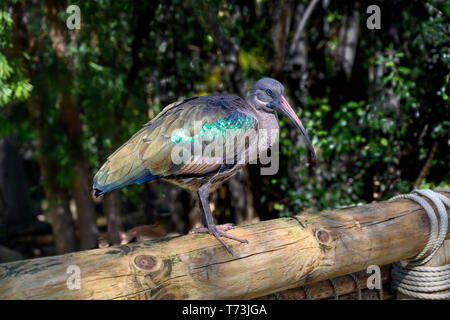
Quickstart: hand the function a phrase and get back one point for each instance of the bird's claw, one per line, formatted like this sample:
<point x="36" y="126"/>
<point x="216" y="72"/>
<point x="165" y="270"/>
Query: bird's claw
<point x="219" y="227"/>
<point x="224" y="227"/>
<point x="219" y="232"/>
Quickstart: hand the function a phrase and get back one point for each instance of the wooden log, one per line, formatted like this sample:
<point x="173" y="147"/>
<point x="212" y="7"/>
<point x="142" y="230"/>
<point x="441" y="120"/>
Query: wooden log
<point x="281" y="254"/>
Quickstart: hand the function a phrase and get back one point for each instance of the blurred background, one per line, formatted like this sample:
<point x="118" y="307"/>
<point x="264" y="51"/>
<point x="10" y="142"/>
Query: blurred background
<point x="374" y="101"/>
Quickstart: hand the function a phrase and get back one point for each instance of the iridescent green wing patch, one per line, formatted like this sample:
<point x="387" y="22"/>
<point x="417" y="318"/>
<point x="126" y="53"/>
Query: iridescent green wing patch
<point x="232" y="125"/>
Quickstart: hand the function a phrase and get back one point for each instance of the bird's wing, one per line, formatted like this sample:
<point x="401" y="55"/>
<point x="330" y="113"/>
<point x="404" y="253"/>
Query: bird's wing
<point x="166" y="145"/>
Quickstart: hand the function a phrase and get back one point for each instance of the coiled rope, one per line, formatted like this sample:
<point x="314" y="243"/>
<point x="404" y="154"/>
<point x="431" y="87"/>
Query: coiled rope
<point x="410" y="277"/>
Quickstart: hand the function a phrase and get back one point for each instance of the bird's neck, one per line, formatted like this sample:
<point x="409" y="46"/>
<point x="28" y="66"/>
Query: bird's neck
<point x="268" y="126"/>
<point x="267" y="118"/>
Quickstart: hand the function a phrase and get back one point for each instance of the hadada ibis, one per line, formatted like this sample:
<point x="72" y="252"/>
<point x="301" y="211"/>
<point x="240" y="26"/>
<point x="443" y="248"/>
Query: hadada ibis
<point x="209" y="121"/>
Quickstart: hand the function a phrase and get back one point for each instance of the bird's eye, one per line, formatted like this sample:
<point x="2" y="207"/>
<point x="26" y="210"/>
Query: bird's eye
<point x="269" y="92"/>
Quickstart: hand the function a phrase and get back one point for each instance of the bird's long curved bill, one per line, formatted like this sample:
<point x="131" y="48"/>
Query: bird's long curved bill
<point x="287" y="110"/>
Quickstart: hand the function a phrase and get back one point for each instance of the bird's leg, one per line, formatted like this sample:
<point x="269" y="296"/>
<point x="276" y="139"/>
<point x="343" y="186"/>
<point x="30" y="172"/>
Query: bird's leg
<point x="204" y="228"/>
<point x="208" y="221"/>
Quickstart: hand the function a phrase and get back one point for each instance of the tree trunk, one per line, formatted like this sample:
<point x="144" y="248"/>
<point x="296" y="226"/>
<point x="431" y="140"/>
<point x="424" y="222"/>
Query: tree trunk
<point x="174" y="195"/>
<point x="69" y="113"/>
<point x="61" y="220"/>
<point x="280" y="30"/>
<point x="230" y="52"/>
<point x="348" y="41"/>
<point x="297" y="55"/>
<point x="58" y="201"/>
<point x="111" y="205"/>
<point x="58" y="204"/>
<point x="81" y="181"/>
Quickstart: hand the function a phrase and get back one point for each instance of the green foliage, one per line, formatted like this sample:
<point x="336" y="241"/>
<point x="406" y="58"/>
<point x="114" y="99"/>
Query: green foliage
<point x="371" y="149"/>
<point x="13" y="84"/>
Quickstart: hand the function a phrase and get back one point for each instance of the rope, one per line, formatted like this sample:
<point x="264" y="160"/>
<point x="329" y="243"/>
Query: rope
<point x="409" y="277"/>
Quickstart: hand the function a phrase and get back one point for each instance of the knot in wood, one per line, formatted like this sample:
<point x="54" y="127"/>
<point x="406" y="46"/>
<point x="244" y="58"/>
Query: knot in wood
<point x="323" y="236"/>
<point x="145" y="262"/>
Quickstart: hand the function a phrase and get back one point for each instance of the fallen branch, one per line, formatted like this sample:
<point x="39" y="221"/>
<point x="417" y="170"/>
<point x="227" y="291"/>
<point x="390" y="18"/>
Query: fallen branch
<point x="427" y="166"/>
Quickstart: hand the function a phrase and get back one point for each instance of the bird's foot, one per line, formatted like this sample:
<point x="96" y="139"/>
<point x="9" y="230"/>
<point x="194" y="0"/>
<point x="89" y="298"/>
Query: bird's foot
<point x="219" y="227"/>
<point x="219" y="232"/>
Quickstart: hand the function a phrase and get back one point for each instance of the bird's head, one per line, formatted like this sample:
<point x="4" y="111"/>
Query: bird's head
<point x="268" y="94"/>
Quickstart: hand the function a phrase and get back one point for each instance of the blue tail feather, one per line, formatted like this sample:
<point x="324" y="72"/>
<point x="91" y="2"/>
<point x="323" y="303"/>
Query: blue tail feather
<point x="101" y="190"/>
